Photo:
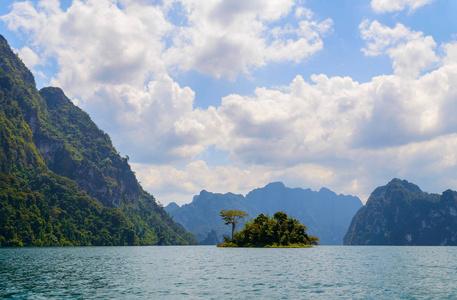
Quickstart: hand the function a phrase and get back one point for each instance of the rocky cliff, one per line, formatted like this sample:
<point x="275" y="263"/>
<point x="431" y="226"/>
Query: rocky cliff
<point x="85" y="154"/>
<point x="399" y="213"/>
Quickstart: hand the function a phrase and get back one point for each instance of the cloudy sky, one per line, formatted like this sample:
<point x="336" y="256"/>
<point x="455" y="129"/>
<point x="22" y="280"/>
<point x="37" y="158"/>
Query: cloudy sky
<point x="229" y="95"/>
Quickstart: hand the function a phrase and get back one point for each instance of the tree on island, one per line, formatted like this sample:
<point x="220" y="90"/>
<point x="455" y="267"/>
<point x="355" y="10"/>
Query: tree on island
<point x="233" y="216"/>
<point x="277" y="231"/>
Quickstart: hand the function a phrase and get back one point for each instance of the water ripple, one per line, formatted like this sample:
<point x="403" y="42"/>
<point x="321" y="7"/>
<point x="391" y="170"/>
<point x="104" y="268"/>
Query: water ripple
<point x="219" y="273"/>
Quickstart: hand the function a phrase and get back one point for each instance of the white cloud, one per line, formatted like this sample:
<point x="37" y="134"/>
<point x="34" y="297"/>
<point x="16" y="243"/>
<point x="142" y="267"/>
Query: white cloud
<point x="358" y="134"/>
<point x="301" y="12"/>
<point x="144" y="121"/>
<point x="114" y="59"/>
<point x="225" y="37"/>
<point x="24" y="17"/>
<point x="101" y="41"/>
<point x="451" y="54"/>
<point x="383" y="6"/>
<point x="285" y="127"/>
<point x="411" y="52"/>
<point x="95" y="42"/>
<point x="29" y="57"/>
<point x="175" y="185"/>
<point x="313" y="122"/>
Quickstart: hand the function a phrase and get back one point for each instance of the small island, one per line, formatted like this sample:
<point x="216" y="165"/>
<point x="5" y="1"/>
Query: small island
<point x="279" y="231"/>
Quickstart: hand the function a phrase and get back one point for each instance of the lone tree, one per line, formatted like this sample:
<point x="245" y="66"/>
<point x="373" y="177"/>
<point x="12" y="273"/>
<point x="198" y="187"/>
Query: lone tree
<point x="233" y="217"/>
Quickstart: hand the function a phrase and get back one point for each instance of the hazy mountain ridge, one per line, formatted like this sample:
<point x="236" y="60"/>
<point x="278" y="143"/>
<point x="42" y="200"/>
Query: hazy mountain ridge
<point x="326" y="214"/>
<point x="399" y="213"/>
<point x="52" y="158"/>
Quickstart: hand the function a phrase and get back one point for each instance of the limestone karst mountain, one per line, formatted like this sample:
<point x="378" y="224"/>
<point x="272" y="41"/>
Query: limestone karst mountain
<point x="399" y="213"/>
<point x="61" y="180"/>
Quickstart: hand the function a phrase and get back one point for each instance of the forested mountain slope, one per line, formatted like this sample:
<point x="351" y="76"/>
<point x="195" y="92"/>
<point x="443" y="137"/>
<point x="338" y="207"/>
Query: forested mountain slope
<point x="61" y="180"/>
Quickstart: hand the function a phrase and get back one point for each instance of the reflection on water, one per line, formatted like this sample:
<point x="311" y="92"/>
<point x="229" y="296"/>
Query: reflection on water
<point x="210" y="272"/>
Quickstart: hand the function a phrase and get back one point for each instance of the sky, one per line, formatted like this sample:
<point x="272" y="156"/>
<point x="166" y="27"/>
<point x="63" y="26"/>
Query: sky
<point x="229" y="95"/>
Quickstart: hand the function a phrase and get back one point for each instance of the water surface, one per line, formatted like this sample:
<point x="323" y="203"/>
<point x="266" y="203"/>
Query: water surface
<point x="326" y="272"/>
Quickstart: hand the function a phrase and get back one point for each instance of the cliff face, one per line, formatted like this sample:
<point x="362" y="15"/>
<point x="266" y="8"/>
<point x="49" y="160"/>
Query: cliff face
<point x="401" y="214"/>
<point x="62" y="181"/>
<point x="326" y="214"/>
<point x="84" y="153"/>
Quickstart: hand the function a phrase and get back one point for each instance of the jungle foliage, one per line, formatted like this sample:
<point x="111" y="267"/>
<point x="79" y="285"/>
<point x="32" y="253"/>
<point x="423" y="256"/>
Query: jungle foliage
<point x="62" y="183"/>
<point x="232" y="217"/>
<point x="277" y="231"/>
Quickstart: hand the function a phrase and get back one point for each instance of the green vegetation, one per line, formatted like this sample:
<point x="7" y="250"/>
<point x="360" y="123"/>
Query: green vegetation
<point x="280" y="231"/>
<point x="62" y="183"/>
<point x="48" y="210"/>
<point x="232" y="217"/>
<point x="399" y="213"/>
<point x="86" y="155"/>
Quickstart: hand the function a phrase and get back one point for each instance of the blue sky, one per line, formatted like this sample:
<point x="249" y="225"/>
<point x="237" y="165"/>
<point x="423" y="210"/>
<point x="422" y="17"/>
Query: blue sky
<point x="228" y="96"/>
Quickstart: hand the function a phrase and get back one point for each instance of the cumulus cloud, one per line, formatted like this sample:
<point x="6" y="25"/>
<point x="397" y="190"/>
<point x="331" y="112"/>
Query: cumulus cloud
<point x="411" y="52"/>
<point x="95" y="43"/>
<point x="286" y="127"/>
<point x="145" y="121"/>
<point x="225" y="37"/>
<point x="360" y="134"/>
<point x="29" y="57"/>
<point x="114" y="59"/>
<point x="108" y="41"/>
<point x="383" y="6"/>
<point x="328" y="118"/>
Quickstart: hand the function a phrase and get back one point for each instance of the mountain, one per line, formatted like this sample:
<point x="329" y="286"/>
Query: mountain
<point x="399" y="213"/>
<point x="326" y="214"/>
<point x="202" y="215"/>
<point x="61" y="180"/>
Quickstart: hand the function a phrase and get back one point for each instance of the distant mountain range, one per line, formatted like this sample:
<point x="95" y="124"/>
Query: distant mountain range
<point x="399" y="213"/>
<point x="326" y="214"/>
<point x="62" y="182"/>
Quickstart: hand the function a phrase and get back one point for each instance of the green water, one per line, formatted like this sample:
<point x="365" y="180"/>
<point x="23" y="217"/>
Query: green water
<point x="207" y="272"/>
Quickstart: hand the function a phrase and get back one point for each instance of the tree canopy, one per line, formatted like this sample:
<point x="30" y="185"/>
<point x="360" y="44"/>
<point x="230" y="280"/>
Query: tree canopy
<point x="277" y="231"/>
<point x="62" y="182"/>
<point x="233" y="216"/>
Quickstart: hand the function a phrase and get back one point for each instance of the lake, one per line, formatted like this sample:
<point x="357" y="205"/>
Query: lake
<point x="208" y="272"/>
